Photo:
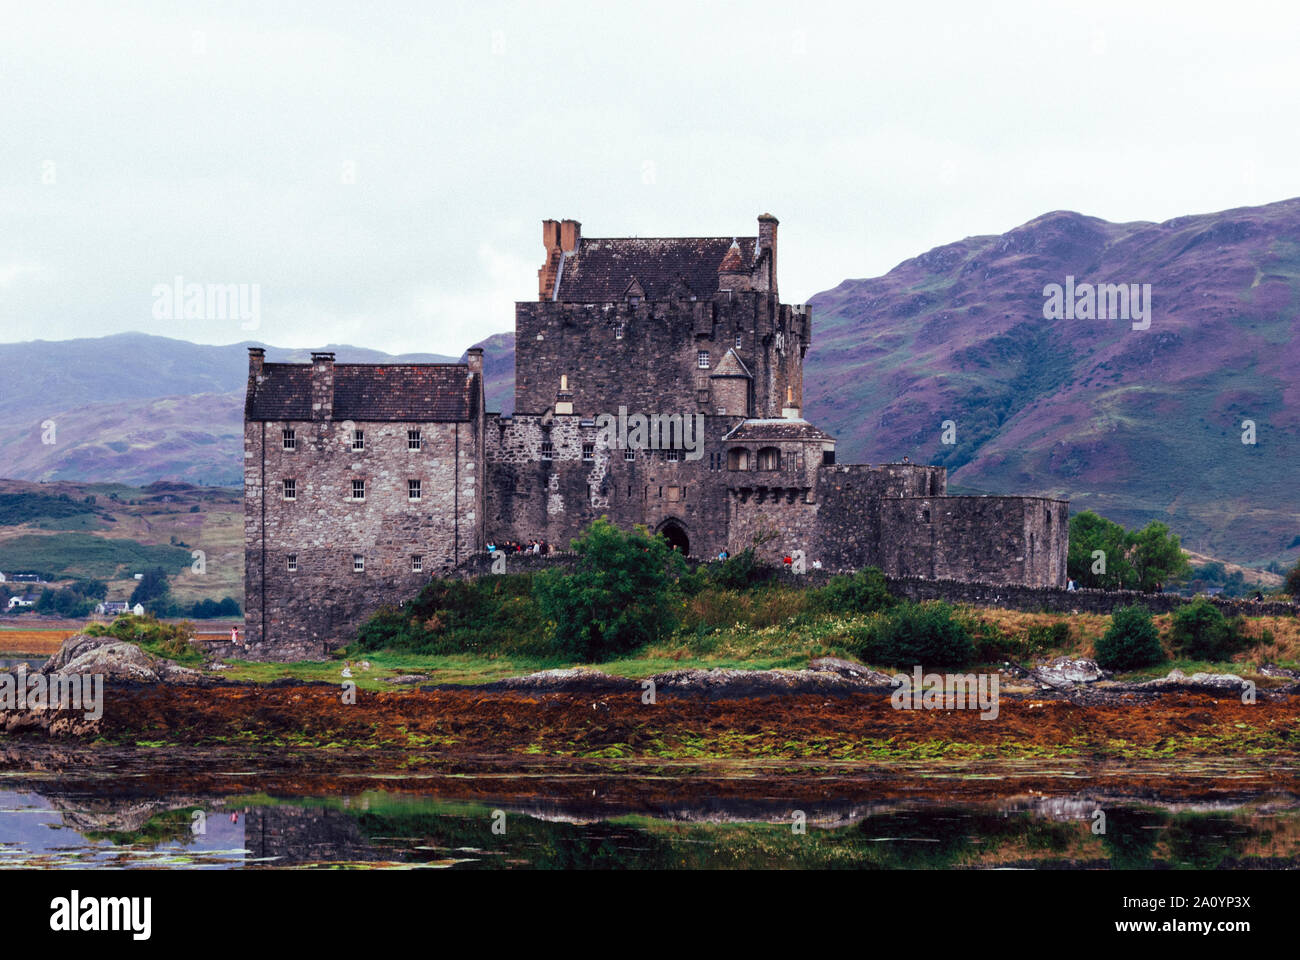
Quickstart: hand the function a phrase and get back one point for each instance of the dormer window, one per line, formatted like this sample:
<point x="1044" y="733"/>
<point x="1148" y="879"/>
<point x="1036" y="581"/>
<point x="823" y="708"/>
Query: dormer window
<point x="634" y="300"/>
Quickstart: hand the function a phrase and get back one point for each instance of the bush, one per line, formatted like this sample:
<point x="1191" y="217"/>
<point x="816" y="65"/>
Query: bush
<point x="925" y="634"/>
<point x="1131" y="641"/>
<point x="863" y="592"/>
<point x="1292" y="582"/>
<point x="494" y="613"/>
<point x="619" y="597"/>
<point x="170" y="640"/>
<point x="1200" y="631"/>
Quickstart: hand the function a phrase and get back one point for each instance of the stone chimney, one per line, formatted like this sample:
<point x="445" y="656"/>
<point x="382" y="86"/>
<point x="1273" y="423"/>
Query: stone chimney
<point x="550" y="269"/>
<point x="256" y="357"/>
<point x="322" y="385"/>
<point x="475" y="360"/>
<point x="570" y="234"/>
<point x="767" y="241"/>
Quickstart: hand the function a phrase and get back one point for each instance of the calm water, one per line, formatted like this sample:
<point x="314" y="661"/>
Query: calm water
<point x="376" y="829"/>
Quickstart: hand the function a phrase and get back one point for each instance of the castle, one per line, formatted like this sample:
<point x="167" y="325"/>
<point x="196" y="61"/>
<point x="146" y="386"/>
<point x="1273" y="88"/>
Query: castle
<point x="657" y="382"/>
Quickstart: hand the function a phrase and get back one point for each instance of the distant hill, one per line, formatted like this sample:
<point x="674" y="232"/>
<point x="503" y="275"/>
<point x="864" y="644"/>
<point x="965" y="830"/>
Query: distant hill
<point x="1136" y="424"/>
<point x="133" y="408"/>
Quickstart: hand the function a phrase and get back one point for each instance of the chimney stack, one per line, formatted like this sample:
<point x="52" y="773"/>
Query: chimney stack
<point x="256" y="357"/>
<point x="475" y="359"/>
<point x="322" y="385"/>
<point x="767" y="241"/>
<point x="570" y="234"/>
<point x="551" y="267"/>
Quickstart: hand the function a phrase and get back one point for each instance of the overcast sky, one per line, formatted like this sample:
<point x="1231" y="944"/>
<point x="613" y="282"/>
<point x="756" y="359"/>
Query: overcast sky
<point x="380" y="170"/>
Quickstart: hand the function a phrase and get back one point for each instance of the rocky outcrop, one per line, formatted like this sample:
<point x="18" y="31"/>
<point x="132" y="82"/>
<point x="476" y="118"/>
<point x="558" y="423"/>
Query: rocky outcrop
<point x="115" y="659"/>
<point x="1066" y="671"/>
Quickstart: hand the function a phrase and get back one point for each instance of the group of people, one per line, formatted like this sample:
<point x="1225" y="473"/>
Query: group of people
<point x="537" y="547"/>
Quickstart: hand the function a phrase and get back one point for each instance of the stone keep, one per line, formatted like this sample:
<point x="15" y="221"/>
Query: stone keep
<point x="363" y="480"/>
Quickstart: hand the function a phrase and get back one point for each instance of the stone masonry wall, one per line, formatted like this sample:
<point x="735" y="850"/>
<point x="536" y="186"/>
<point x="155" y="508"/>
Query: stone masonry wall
<point x="305" y="612"/>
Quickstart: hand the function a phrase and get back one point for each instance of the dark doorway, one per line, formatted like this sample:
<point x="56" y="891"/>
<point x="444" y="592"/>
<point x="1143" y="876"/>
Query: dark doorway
<point x="676" y="536"/>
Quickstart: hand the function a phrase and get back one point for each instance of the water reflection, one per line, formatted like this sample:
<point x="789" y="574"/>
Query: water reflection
<point x="377" y="829"/>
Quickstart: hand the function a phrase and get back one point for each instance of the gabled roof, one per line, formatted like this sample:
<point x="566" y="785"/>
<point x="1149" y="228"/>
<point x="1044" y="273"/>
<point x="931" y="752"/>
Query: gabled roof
<point x="369" y="392"/>
<point x="732" y="366"/>
<point x="601" y="269"/>
<point x="776" y="429"/>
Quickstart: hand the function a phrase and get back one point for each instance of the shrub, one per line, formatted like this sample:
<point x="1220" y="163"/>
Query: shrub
<point x="1131" y="641"/>
<point x="1292" y="583"/>
<point x="170" y="640"/>
<point x="1200" y="631"/>
<point x="917" y="633"/>
<point x="619" y="597"/>
<point x="863" y="592"/>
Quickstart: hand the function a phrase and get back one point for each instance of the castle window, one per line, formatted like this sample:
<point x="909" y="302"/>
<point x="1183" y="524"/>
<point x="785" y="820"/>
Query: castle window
<point x="548" y="450"/>
<point x="925" y="515"/>
<point x="358" y="439"/>
<point x="739" y="340"/>
<point x="358" y="563"/>
<point x="589" y="451"/>
<point x="417" y="564"/>
<point x="358" y="489"/>
<point x="672" y="456"/>
<point x="629" y="454"/>
<point x="413" y="440"/>
<point x="702" y="359"/>
<point x="618" y="331"/>
<point x="290" y="489"/>
<point x="769" y="458"/>
<point x="738" y="459"/>
<point x="412" y="489"/>
<point x="828" y="457"/>
<point x="291" y="563"/>
<point x="289" y="439"/>
<point x="634" y="300"/>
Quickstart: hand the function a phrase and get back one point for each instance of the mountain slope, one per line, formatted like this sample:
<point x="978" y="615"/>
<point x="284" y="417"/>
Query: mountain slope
<point x="1137" y="424"/>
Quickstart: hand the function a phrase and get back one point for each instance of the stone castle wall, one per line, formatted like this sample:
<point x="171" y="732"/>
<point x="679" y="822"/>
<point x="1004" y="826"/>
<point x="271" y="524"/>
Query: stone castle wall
<point x="316" y="607"/>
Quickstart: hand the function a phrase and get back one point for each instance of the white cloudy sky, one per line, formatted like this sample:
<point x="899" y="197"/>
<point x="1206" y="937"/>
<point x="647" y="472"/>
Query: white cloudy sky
<point x="139" y="142"/>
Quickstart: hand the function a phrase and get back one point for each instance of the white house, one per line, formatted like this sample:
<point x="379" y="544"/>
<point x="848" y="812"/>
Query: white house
<point x="26" y="600"/>
<point x="111" y="608"/>
<point x="138" y="610"/>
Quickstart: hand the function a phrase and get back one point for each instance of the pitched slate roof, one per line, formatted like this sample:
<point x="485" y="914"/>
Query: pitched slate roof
<point x="777" y="429"/>
<point x="732" y="366"/>
<point x="602" y="269"/>
<point x="369" y="392"/>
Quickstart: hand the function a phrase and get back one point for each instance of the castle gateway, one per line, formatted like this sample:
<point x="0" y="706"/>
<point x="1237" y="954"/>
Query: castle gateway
<point x="657" y="382"/>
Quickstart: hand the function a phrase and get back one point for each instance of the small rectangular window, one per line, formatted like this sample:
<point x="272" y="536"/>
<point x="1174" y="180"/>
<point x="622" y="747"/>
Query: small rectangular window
<point x="629" y="454"/>
<point x="290" y="489"/>
<point x="417" y="564"/>
<point x="618" y="331"/>
<point x="358" y="563"/>
<point x="673" y="456"/>
<point x="412" y="489"/>
<point x="702" y="359"/>
<point x="358" y="489"/>
<point x="739" y="340"/>
<point x="589" y="451"/>
<point x="292" y="563"/>
<point x="548" y="450"/>
<point x="290" y="439"/>
<point x="358" y="439"/>
<point x="413" y="440"/>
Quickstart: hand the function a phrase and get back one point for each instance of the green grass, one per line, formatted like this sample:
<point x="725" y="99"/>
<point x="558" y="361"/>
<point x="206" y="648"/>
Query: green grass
<point x="84" y="555"/>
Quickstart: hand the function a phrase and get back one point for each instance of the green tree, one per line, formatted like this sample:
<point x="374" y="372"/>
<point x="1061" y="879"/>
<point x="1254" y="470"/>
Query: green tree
<point x="1088" y="534"/>
<point x="1200" y="631"/>
<point x="1156" y="556"/>
<point x="911" y="634"/>
<point x="153" y="592"/>
<point x="620" y="595"/>
<point x="1131" y="641"/>
<point x="1292" y="582"/>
